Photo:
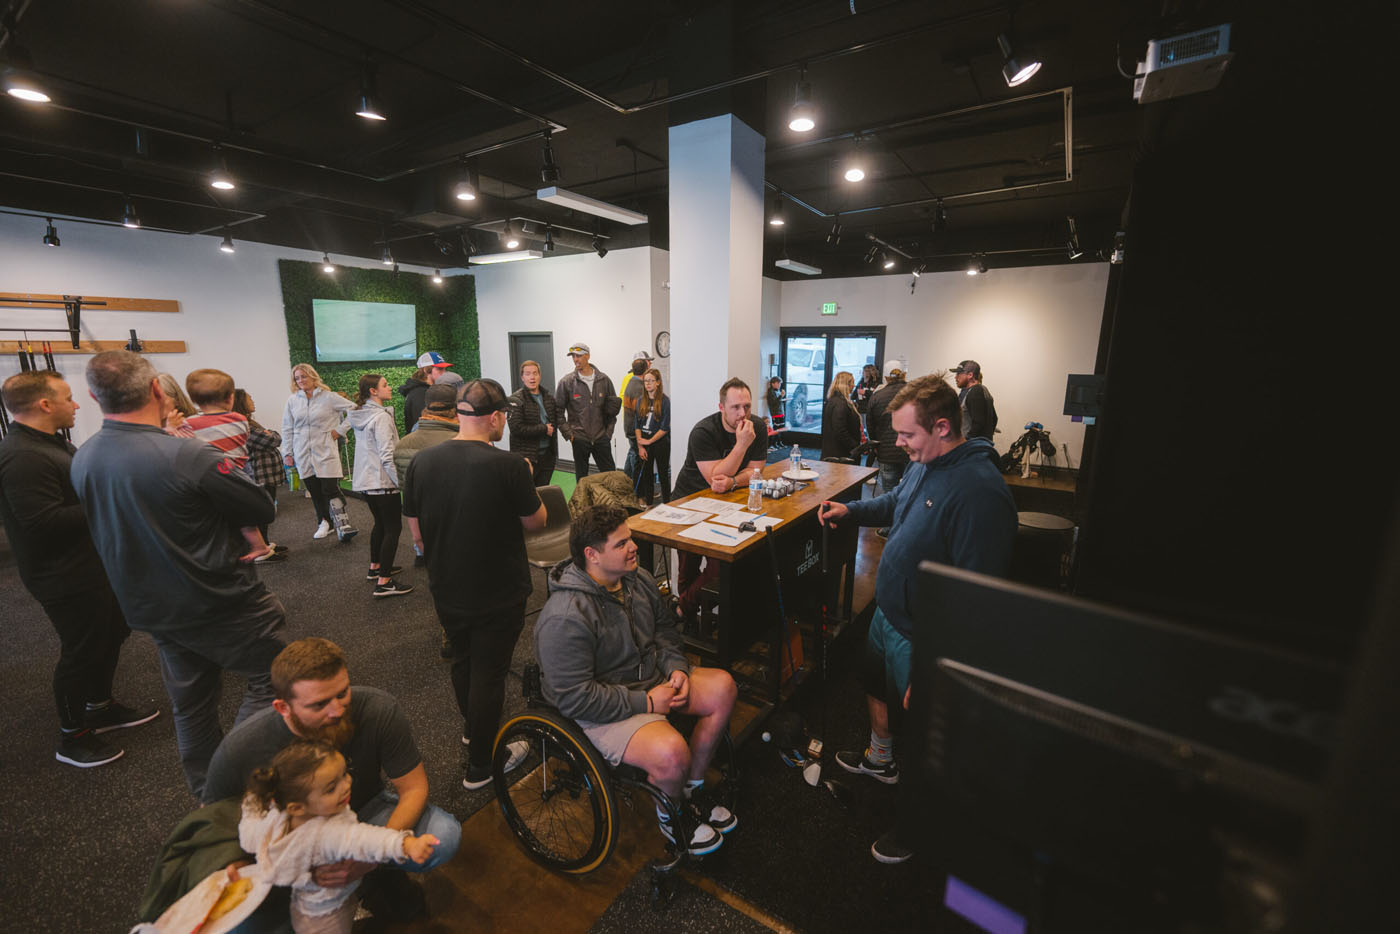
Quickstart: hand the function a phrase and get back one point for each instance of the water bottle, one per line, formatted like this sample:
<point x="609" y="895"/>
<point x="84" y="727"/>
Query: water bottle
<point x="755" y="503"/>
<point x="796" y="459"/>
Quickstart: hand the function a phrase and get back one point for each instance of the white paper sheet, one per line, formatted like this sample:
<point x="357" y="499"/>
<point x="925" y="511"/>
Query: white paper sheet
<point x="716" y="535"/>
<point x="671" y="514"/>
<point x="718" y="506"/>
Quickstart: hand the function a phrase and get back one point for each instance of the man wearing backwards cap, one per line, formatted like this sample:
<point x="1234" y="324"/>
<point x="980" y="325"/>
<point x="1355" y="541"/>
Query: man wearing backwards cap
<point x="587" y="406"/>
<point x="469" y="505"/>
<point x="431" y="368"/>
<point x="632" y="394"/>
<point x="979" y="412"/>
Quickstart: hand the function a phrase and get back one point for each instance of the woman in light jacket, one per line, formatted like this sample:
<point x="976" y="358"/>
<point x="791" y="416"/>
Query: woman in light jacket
<point x="311" y="424"/>
<point x="375" y="477"/>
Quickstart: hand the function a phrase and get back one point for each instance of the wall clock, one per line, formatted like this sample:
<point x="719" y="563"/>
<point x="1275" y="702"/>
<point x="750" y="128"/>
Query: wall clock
<point x="663" y="343"/>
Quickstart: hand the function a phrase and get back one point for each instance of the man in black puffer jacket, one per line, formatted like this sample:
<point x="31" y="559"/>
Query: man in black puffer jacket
<point x="531" y="420"/>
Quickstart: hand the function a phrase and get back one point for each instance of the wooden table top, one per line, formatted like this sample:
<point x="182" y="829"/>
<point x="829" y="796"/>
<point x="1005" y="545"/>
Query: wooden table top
<point x="833" y="480"/>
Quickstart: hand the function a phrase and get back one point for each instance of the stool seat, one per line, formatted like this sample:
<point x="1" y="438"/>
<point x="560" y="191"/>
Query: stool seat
<point x="1044" y="521"/>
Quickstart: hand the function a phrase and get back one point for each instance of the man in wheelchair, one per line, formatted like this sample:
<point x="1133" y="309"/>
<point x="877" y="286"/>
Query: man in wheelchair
<point x="611" y="659"/>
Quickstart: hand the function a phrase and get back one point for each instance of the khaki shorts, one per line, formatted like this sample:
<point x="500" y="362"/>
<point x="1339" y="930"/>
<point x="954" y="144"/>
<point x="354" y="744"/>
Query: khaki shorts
<point x="611" y="739"/>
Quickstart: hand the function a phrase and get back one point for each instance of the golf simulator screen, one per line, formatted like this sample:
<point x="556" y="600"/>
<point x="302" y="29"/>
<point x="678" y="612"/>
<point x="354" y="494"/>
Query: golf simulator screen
<point x="363" y="332"/>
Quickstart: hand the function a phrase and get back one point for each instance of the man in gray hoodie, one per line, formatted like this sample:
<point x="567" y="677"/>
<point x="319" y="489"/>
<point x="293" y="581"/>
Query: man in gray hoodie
<point x="611" y="659"/>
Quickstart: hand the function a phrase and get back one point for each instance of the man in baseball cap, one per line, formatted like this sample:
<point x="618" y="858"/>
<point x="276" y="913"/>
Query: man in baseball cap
<point x="431" y="368"/>
<point x="979" y="412"/>
<point x="587" y="407"/>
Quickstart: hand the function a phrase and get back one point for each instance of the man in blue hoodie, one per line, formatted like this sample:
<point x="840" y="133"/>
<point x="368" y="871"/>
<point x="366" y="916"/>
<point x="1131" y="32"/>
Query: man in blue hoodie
<point x="951" y="506"/>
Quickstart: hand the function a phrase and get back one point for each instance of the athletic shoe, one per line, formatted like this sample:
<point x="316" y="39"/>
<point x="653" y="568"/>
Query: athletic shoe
<point x="85" y="750"/>
<point x="720" y="817"/>
<point x="118" y="717"/>
<point x="889" y="850"/>
<point x="392" y="589"/>
<point x="376" y="573"/>
<point x="705" y="839"/>
<point x="280" y="549"/>
<point x="481" y="777"/>
<point x="860" y="764"/>
<point x="323" y="530"/>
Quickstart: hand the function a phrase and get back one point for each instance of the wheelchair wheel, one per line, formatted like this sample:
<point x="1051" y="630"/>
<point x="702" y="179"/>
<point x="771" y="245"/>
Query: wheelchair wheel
<point x="563" y="809"/>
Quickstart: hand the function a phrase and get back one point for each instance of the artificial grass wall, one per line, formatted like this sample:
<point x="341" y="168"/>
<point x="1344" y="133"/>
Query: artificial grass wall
<point x="446" y="317"/>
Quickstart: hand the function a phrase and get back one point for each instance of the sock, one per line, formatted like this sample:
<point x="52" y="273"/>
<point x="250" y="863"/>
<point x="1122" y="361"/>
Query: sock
<point x="881" y="751"/>
<point x="100" y="705"/>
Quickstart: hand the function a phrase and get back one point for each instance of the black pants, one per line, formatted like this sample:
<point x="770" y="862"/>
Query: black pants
<point x="657" y="464"/>
<point x="387" y="509"/>
<point x="542" y="463"/>
<point x="91" y="630"/>
<point x="602" y="456"/>
<point x="322" y="490"/>
<point x="271" y="489"/>
<point x="481" y="650"/>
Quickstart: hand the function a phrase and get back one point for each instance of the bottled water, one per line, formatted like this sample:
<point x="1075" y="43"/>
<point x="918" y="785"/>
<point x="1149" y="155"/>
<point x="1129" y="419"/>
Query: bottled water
<point x="755" y="503"/>
<point x="796" y="459"/>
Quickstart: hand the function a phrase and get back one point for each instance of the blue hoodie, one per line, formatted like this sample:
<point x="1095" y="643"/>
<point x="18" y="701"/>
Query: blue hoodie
<point x="955" y="510"/>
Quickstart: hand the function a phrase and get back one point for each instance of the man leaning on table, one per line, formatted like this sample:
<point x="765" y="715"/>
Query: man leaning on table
<point x="724" y="448"/>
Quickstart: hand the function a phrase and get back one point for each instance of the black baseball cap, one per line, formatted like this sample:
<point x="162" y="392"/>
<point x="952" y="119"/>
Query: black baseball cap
<point x="968" y="366"/>
<point x="481" y="397"/>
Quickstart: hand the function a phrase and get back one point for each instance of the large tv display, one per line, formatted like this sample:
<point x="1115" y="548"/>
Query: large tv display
<point x="363" y="332"/>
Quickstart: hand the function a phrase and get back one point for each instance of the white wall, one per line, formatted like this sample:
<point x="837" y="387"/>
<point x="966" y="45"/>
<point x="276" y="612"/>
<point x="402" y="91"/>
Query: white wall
<point x="230" y="314"/>
<point x="1028" y="328"/>
<point x="605" y="303"/>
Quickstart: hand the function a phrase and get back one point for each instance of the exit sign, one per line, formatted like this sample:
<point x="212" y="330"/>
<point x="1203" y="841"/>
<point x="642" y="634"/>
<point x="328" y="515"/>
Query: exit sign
<point x="828" y="308"/>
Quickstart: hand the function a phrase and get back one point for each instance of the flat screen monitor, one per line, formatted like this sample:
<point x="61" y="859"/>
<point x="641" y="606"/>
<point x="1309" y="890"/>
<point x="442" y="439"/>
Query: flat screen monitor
<point x="364" y="332"/>
<point x="1089" y="768"/>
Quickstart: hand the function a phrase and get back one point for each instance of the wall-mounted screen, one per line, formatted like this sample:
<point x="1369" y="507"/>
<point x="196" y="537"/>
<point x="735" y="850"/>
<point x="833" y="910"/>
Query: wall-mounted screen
<point x="362" y="332"/>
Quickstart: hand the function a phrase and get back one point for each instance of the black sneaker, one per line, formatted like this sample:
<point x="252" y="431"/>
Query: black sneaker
<point x="860" y="764"/>
<point x="376" y="573"/>
<point x="85" y="750"/>
<point x="889" y="850"/>
<point x="716" y="815"/>
<point x="391" y="589"/>
<point x="704" y="839"/>
<point x="118" y="717"/>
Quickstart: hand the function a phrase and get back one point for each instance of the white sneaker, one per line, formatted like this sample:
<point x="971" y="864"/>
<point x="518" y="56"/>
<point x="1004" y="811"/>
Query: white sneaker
<point x="322" y="530"/>
<point x="518" y="751"/>
<point x="704" y="840"/>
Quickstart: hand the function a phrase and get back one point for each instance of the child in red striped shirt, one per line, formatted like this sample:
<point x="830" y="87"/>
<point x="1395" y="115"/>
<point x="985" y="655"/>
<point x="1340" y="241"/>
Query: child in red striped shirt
<point x="218" y="425"/>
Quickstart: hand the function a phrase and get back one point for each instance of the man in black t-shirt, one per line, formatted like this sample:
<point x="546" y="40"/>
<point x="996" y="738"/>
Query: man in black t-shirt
<point x="469" y="505"/>
<point x="723" y="451"/>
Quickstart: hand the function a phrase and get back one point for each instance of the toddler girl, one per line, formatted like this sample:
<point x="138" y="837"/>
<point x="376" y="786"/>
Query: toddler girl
<point x="297" y="815"/>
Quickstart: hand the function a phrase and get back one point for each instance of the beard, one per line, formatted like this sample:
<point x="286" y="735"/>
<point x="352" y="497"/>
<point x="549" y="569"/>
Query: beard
<point x="337" y="734"/>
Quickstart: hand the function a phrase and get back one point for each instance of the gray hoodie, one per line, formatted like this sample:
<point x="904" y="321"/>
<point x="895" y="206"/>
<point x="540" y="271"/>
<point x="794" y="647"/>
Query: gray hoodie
<point x="375" y="439"/>
<point x="597" y="658"/>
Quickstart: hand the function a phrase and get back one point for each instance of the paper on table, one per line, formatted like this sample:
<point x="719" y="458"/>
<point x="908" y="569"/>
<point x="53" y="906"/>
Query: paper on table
<point x="671" y="514"/>
<point x="740" y="516"/>
<point x="715" y="535"/>
<point x="707" y="504"/>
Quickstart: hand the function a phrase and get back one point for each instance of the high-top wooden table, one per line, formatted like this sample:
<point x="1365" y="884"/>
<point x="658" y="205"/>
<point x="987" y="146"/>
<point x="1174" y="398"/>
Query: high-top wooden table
<point x="748" y="600"/>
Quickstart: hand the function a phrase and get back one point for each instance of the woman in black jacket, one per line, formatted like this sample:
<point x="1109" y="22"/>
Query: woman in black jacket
<point x="531" y="420"/>
<point x="840" y="420"/>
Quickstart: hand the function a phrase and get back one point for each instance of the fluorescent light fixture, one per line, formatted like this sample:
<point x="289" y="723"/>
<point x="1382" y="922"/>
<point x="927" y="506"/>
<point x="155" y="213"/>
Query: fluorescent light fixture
<point x="569" y="199"/>
<point x="485" y="259"/>
<point x="793" y="265"/>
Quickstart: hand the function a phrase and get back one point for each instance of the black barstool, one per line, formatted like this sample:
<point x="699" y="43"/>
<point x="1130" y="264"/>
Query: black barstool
<point x="1044" y="550"/>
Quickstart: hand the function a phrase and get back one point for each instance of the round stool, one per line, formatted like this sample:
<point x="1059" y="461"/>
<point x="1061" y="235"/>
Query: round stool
<point x="1044" y="549"/>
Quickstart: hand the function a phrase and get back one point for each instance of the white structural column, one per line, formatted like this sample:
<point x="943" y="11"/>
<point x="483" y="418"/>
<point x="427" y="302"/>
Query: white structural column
<point x="716" y="220"/>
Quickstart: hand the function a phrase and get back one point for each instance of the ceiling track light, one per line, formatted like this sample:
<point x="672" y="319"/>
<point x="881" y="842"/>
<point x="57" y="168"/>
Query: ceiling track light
<point x="598" y="246"/>
<point x="369" y="106"/>
<point x="886" y="260"/>
<point x="976" y="265"/>
<point x="1016" y="71"/>
<point x="219" y="177"/>
<point x="870" y="257"/>
<point x="833" y="236"/>
<point x="919" y="270"/>
<point x="940" y="217"/>
<point x="227" y="244"/>
<point x="51" y="234"/>
<point x="802" y="117"/>
<point x="465" y="189"/>
<point x="129" y="216"/>
<point x="326" y="265"/>
<point x="437" y="276"/>
<point x="18" y="77"/>
<point x="509" y="238"/>
<point x="854" y="169"/>
<point x="386" y="256"/>
<point x="549" y="169"/>
<point x="549" y="239"/>
<point x="775" y="217"/>
<point x="1072" y="245"/>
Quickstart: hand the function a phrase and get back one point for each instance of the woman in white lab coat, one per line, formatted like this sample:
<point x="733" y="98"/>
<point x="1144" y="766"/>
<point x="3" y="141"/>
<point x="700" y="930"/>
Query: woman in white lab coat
<point x="312" y="423"/>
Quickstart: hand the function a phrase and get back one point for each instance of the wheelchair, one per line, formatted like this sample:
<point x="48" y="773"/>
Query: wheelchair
<point x="564" y="808"/>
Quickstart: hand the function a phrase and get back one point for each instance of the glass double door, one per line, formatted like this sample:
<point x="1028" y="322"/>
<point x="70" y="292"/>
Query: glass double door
<point x="811" y="358"/>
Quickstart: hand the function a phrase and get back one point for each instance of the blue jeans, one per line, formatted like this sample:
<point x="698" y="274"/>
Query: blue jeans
<point x="890" y="475"/>
<point x="192" y="662"/>
<point x="433" y="820"/>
